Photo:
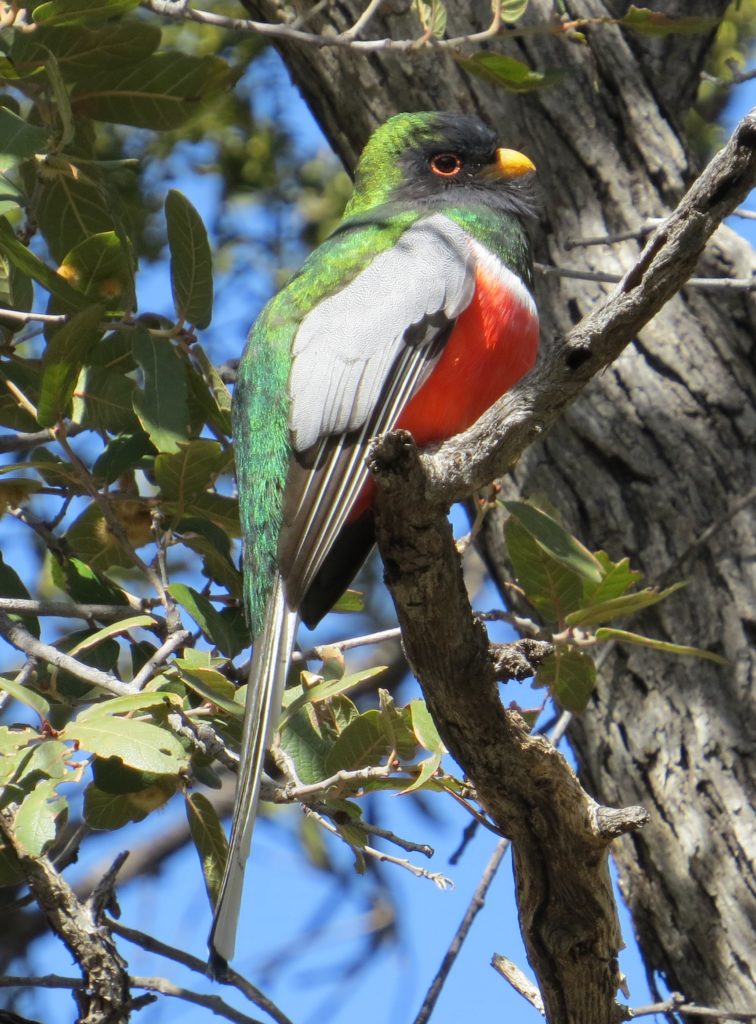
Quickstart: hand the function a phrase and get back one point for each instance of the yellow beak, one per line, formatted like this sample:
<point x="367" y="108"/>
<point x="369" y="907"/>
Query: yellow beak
<point x="512" y="164"/>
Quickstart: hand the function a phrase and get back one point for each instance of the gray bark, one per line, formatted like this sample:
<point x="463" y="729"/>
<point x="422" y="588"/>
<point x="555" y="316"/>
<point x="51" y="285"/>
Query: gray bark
<point x="656" y="461"/>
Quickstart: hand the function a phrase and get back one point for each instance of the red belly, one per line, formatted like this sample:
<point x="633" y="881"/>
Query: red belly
<point x="494" y="343"/>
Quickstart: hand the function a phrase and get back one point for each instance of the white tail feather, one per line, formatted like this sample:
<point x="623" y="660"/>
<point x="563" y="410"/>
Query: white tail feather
<point x="267" y="677"/>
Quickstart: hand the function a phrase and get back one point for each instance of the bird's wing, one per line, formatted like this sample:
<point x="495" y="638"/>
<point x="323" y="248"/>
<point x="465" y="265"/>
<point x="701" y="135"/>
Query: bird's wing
<point x="358" y="357"/>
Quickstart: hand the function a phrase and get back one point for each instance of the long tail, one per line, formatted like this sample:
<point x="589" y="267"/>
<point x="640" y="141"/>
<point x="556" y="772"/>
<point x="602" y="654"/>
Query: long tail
<point x="270" y="660"/>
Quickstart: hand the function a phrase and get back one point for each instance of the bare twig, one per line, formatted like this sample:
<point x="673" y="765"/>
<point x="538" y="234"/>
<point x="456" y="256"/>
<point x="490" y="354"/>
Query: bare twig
<point x="519" y="981"/>
<point x="180" y="956"/>
<point x="474" y="907"/>
<point x="735" y="284"/>
<point x="676" y="1004"/>
<point x="174" y="641"/>
<point x="69" y="609"/>
<point x="214" y="1003"/>
<point x="24" y="641"/>
<point x="476" y="904"/>
<point x="436" y="877"/>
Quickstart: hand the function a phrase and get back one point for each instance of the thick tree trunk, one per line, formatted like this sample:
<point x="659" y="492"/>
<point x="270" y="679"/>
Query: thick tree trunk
<point x="655" y="462"/>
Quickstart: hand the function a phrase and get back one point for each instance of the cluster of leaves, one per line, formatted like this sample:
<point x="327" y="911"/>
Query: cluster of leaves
<point x="575" y="592"/>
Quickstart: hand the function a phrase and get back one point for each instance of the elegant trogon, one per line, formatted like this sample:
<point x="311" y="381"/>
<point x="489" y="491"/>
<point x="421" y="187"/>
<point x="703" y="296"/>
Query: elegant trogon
<point x="416" y="312"/>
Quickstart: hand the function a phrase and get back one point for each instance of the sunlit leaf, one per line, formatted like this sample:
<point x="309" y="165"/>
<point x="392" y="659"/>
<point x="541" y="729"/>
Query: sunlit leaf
<point x="39" y="817"/>
<point x="100" y="267"/>
<point x="361" y="744"/>
<point x="184" y="474"/>
<point x="623" y="636"/>
<point x="508" y="72"/>
<point x="127" y="704"/>
<point x="138" y="744"/>
<point x="26" y="696"/>
<point x="617" y="607"/>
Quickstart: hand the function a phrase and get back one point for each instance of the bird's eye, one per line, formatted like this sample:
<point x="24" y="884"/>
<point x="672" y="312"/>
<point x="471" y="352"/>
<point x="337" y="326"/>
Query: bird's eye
<point x="446" y="165"/>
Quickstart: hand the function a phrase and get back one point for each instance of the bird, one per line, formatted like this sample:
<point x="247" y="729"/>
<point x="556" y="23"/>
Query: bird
<point x="417" y="312"/>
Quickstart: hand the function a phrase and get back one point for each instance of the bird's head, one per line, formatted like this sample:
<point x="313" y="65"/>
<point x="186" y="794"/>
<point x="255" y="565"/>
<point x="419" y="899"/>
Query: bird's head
<point x="435" y="159"/>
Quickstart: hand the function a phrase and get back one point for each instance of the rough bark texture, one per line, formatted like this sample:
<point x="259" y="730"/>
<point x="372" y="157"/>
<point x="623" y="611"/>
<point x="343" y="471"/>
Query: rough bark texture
<point x="656" y="461"/>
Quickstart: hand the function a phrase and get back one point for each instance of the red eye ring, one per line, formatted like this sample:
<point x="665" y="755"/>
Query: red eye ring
<point x="445" y="165"/>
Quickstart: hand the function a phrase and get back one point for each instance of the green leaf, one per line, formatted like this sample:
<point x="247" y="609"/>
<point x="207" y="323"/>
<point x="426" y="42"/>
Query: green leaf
<point x="296" y="698"/>
<point x="72" y="206"/>
<point x="81" y="51"/>
<point x="122" y="454"/>
<point x="653" y="23"/>
<point x="109" y="805"/>
<point x="184" y="474"/>
<point x="100" y="267"/>
<point x="425" y="728"/>
<point x="513" y="10"/>
<point x="26" y="696"/>
<point x="11" y="585"/>
<point x="62" y="100"/>
<point x="361" y="744"/>
<point x="557" y="541"/>
<point x="191" y="261"/>
<point x="305" y="747"/>
<point x="83" y="584"/>
<point x="62" y="363"/>
<point x="25" y="261"/>
<point x="112" y="629"/>
<point x="208" y="618"/>
<point x="104" y="400"/>
<point x="212" y="686"/>
<point x="349" y="602"/>
<point x="210" y="840"/>
<point x="128" y="704"/>
<point x="549" y="585"/>
<point x="512" y="74"/>
<point x="570" y="675"/>
<point x="216" y="560"/>
<point x="396" y="728"/>
<point x="162" y="404"/>
<point x="628" y="604"/>
<point x="622" y="635"/>
<point x="161" y="91"/>
<point x="617" y="579"/>
<point x="19" y="139"/>
<point x="428" y="769"/>
<point x="39" y="817"/>
<point x="60" y="12"/>
<point x="138" y="744"/>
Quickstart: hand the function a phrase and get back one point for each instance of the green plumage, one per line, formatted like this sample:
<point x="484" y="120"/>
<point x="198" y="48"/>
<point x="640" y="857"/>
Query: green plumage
<point x="261" y="399"/>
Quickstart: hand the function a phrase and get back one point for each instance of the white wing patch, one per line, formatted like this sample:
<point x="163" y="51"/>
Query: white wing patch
<point x="337" y="376"/>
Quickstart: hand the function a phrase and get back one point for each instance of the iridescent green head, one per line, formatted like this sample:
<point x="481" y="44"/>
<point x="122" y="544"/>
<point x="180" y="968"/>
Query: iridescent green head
<point x="427" y="158"/>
